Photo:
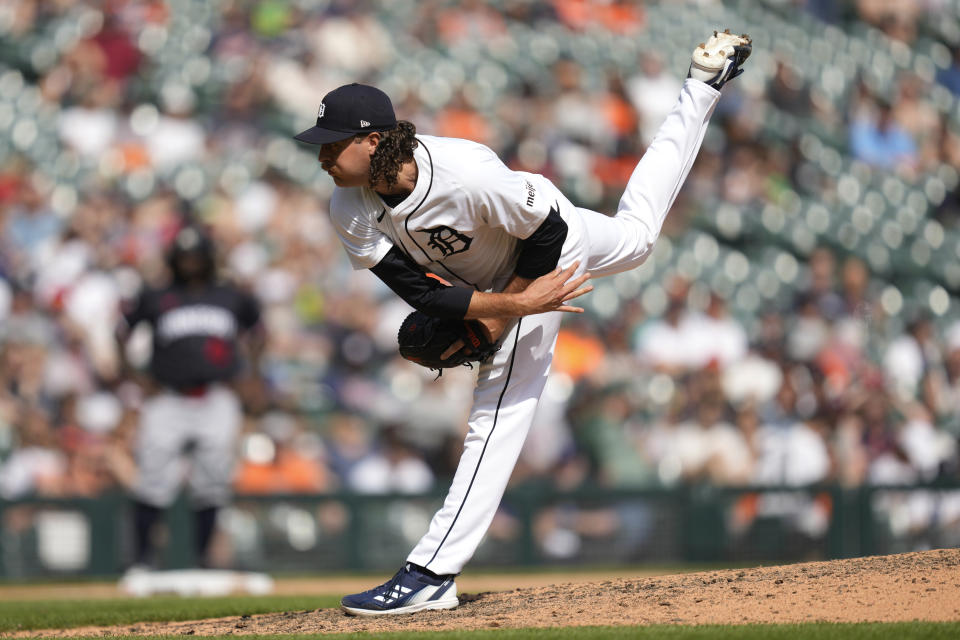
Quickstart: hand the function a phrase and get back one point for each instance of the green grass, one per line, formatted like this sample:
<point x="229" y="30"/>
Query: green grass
<point x="47" y="614"/>
<point x="58" y="614"/>
<point x="812" y="631"/>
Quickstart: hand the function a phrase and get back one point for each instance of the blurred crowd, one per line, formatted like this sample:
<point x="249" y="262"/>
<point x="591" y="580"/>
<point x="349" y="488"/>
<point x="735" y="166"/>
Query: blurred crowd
<point x="121" y="120"/>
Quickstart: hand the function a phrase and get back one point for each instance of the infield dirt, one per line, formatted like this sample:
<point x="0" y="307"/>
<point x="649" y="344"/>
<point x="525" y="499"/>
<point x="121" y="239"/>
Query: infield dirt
<point x="913" y="586"/>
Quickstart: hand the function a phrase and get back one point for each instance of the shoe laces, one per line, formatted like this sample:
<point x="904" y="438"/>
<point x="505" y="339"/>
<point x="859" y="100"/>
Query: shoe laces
<point x="387" y="587"/>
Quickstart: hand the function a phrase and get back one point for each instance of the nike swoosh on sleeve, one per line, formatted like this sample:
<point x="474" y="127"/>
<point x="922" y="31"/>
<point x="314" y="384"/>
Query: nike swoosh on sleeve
<point x="382" y="213"/>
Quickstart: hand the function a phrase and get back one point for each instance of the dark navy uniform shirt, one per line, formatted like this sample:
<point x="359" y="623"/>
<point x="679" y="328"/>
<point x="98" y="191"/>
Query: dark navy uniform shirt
<point x="195" y="331"/>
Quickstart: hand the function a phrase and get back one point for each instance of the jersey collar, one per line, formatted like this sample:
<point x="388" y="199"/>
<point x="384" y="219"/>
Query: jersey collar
<point x="421" y="155"/>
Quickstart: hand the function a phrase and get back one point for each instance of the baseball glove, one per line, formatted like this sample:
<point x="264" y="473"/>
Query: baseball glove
<point x="424" y="339"/>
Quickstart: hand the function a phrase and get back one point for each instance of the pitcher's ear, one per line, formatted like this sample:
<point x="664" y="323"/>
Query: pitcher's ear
<point x="372" y="139"/>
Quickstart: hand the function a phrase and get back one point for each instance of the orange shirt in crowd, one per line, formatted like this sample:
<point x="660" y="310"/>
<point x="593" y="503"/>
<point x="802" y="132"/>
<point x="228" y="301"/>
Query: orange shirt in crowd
<point x="463" y="123"/>
<point x="288" y="473"/>
<point x="577" y="355"/>
<point x="619" y="17"/>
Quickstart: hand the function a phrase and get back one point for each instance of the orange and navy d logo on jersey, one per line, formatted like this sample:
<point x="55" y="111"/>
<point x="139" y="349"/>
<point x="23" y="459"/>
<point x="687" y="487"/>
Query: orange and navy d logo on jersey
<point x="447" y="241"/>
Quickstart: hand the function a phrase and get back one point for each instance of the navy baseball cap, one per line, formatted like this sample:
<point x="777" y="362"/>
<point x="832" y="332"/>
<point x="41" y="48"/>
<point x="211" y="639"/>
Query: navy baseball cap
<point x="349" y="110"/>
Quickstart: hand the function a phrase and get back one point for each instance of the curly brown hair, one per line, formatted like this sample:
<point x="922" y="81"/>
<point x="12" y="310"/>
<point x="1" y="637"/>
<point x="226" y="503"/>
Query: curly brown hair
<point x="396" y="147"/>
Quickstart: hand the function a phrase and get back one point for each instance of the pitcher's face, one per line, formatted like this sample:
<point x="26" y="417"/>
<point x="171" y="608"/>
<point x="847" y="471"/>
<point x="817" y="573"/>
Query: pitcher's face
<point x="348" y="161"/>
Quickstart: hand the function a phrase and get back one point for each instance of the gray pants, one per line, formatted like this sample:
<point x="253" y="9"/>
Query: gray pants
<point x="172" y="424"/>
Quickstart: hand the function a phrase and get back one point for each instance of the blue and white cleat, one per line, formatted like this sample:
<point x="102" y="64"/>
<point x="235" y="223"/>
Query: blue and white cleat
<point x="409" y="591"/>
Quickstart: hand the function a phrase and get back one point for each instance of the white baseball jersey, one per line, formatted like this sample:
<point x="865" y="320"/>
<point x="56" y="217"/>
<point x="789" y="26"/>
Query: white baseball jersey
<point x="463" y="221"/>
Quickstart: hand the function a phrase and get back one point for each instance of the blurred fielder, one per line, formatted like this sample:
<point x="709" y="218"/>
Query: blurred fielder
<point x="197" y="322"/>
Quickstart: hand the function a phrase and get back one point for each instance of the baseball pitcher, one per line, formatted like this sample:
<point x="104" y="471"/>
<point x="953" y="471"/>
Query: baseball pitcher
<point x="515" y="250"/>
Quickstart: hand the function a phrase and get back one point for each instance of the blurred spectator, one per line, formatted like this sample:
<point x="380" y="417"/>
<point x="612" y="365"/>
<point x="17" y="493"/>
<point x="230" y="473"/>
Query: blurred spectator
<point x="473" y="20"/>
<point x="912" y="358"/>
<point x="37" y="466"/>
<point x="30" y="230"/>
<point x="854" y="288"/>
<point x="664" y="344"/>
<point x="927" y="448"/>
<point x="653" y="93"/>
<point x="810" y="329"/>
<point x="791" y="454"/>
<point x="703" y="446"/>
<point x="578" y="353"/>
<point x="948" y="408"/>
<point x="175" y="138"/>
<point x="916" y="116"/>
<point x="616" y="15"/>
<point x="789" y="92"/>
<point x="282" y="459"/>
<point x="459" y="120"/>
<point x="729" y="461"/>
<point x="574" y="110"/>
<point x="717" y="335"/>
<point x="91" y="126"/>
<point x="348" y="443"/>
<point x="394" y="468"/>
<point x="821" y="288"/>
<point x="881" y="141"/>
<point x="826" y="10"/>
<point x="950" y="77"/>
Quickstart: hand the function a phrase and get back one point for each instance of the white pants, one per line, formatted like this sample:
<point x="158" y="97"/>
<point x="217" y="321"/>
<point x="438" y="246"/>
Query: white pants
<point x="170" y="424"/>
<point x="509" y="385"/>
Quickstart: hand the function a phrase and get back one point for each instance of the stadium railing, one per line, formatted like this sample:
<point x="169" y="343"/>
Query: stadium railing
<point x="537" y="525"/>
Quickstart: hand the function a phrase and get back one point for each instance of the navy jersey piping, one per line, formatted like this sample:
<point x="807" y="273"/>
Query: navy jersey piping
<point x="476" y="469"/>
<point x="406" y="223"/>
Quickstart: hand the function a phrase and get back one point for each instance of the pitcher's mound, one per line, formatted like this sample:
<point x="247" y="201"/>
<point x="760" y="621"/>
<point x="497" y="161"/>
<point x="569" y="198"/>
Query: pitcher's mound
<point x="912" y="586"/>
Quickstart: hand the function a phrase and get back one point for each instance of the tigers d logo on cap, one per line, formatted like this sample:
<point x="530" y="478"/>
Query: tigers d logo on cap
<point x="349" y="110"/>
